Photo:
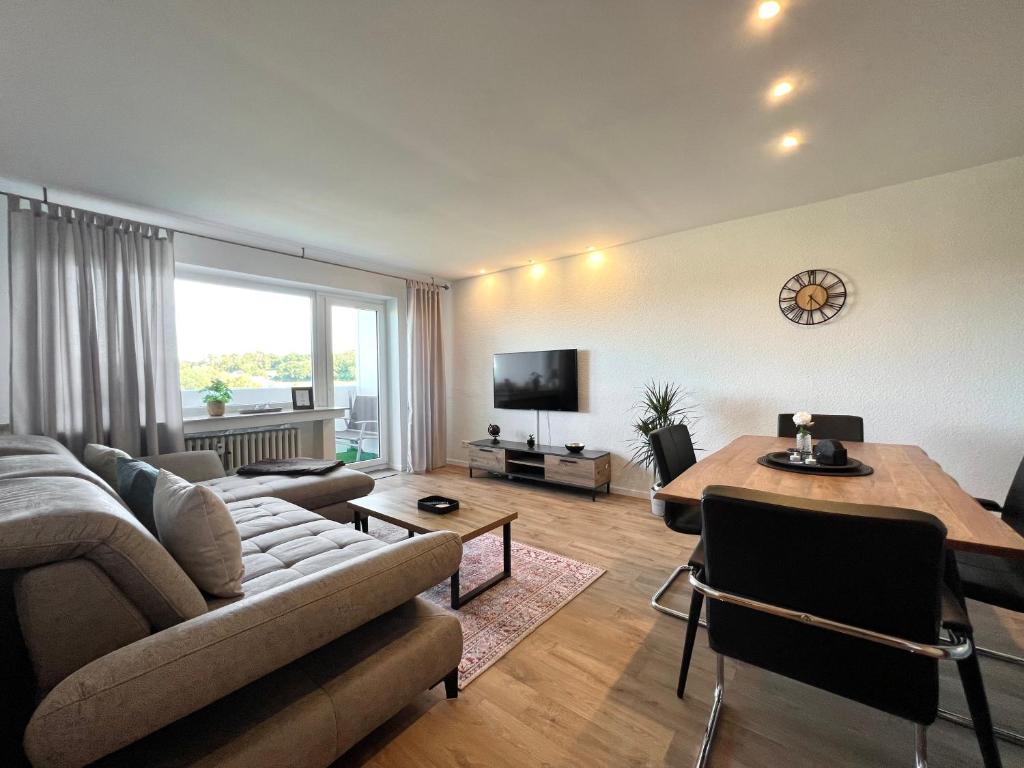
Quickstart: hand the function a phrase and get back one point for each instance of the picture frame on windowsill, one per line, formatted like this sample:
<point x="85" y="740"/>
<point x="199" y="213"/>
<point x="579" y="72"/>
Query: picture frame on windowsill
<point x="302" y="398"/>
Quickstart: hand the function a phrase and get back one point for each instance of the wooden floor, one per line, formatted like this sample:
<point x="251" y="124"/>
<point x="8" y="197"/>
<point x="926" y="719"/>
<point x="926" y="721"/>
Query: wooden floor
<point x="595" y="684"/>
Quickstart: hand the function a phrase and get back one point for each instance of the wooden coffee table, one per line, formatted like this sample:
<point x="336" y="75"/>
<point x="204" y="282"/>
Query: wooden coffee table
<point x="470" y="520"/>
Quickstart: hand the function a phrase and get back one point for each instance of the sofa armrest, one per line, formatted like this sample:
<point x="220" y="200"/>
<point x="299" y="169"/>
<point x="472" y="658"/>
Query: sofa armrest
<point x="138" y="689"/>
<point x="194" y="466"/>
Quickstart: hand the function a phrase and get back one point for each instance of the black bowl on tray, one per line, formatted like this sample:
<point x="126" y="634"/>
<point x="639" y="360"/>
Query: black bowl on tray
<point x="438" y="504"/>
<point x="575" y="447"/>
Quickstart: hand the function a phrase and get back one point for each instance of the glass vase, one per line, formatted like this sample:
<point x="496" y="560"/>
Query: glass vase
<point x="803" y="444"/>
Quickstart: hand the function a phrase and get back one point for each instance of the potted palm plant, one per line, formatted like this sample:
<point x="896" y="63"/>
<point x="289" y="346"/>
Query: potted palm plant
<point x="660" y="405"/>
<point x="216" y="395"/>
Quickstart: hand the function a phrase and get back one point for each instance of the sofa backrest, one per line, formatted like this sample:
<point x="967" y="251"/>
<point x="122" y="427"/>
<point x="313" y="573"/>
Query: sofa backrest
<point x="20" y="445"/>
<point x="51" y="519"/>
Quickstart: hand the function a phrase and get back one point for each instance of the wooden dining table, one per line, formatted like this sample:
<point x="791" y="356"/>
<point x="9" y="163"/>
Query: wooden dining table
<point x="904" y="476"/>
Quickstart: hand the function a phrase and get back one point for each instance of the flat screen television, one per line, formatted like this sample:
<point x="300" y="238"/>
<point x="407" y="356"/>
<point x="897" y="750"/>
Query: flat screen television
<point x="536" y="381"/>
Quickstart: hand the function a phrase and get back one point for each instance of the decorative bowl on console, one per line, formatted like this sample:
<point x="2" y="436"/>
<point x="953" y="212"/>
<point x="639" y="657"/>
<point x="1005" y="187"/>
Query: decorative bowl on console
<point x="575" y="447"/>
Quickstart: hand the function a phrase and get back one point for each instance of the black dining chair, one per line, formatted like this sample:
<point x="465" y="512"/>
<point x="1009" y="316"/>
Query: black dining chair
<point x="826" y="427"/>
<point x="674" y="454"/>
<point x="847" y="598"/>
<point x="997" y="581"/>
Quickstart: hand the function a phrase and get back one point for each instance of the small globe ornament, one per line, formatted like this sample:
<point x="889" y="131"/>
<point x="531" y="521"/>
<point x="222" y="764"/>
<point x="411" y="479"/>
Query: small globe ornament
<point x="493" y="430"/>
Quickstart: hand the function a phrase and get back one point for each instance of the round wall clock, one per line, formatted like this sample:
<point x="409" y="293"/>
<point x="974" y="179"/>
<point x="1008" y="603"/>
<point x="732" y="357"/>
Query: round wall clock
<point x="812" y="297"/>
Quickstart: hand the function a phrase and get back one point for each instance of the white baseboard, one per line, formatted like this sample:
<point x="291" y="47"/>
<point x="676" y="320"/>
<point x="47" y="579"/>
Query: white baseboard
<point x="622" y="491"/>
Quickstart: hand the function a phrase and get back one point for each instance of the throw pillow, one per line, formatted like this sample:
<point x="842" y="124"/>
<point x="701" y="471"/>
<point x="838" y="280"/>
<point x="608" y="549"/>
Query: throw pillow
<point x="102" y="459"/>
<point x="195" y="526"/>
<point x="136" y="481"/>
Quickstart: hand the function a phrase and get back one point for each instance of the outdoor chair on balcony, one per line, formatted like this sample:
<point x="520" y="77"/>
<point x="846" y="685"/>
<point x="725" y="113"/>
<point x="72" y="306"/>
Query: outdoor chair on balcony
<point x="361" y="426"/>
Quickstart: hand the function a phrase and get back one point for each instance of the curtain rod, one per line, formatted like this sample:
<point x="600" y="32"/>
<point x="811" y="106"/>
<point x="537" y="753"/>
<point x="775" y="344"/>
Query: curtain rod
<point x="302" y="255"/>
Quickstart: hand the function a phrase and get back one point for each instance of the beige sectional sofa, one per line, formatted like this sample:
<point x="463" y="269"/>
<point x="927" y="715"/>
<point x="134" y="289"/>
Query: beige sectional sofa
<point x="134" y="666"/>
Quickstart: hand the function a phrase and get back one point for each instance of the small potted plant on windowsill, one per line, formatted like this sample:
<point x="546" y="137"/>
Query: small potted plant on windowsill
<point x="660" y="405"/>
<point x="216" y="395"/>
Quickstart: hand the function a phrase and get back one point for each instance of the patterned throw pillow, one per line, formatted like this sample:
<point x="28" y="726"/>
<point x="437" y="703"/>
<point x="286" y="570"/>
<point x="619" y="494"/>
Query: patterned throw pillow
<point x="136" y="482"/>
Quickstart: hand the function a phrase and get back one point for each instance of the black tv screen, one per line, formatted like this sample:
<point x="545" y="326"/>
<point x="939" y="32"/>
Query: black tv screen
<point x="536" y="381"/>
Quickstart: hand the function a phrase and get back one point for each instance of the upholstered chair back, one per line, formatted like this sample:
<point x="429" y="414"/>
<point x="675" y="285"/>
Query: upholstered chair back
<point x="877" y="568"/>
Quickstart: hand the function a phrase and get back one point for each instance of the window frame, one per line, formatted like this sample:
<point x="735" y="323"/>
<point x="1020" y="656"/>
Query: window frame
<point x="321" y="301"/>
<point x="326" y="300"/>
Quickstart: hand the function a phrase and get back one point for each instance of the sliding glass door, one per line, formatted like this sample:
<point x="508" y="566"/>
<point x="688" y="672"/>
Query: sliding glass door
<point x="356" y="379"/>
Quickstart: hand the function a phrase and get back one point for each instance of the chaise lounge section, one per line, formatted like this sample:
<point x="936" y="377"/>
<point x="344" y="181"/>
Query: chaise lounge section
<point x="133" y="665"/>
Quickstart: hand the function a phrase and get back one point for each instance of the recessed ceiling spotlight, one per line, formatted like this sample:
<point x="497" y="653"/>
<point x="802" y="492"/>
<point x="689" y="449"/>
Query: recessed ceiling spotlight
<point x="769" y="9"/>
<point x="782" y="89"/>
<point x="790" y="141"/>
<point x="483" y="271"/>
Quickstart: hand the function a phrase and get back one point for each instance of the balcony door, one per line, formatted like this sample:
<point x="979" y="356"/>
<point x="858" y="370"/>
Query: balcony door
<point x="355" y="373"/>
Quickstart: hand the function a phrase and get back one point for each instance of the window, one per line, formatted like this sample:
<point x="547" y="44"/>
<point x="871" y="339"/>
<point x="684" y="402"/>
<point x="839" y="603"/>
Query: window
<point x="259" y="341"/>
<point x="354" y="378"/>
<point x="262" y="340"/>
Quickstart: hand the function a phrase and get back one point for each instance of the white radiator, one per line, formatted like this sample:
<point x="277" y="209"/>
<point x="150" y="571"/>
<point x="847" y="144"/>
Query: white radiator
<point x="236" y="449"/>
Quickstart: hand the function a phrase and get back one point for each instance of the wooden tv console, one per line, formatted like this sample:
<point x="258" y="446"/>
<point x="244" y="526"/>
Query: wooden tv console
<point x="548" y="463"/>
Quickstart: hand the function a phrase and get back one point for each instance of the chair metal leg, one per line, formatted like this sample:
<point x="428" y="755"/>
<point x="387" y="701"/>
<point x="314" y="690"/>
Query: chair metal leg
<point x="716" y="708"/>
<point x="691" y="636"/>
<point x="665" y="588"/>
<point x="1013" y="737"/>
<point x="977" y="703"/>
<point x="1000" y="733"/>
<point x="1009" y="658"/>
<point x="921" y="746"/>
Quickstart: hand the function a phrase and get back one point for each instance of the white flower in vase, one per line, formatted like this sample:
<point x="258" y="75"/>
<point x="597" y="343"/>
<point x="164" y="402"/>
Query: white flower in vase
<point x="803" y="420"/>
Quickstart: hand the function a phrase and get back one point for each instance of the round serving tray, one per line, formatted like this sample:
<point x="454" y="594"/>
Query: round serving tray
<point x="780" y="460"/>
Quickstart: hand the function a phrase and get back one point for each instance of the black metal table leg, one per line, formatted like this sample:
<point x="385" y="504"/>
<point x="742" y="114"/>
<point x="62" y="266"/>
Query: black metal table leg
<point x="506" y="545"/>
<point x="456" y="602"/>
<point x="459" y="600"/>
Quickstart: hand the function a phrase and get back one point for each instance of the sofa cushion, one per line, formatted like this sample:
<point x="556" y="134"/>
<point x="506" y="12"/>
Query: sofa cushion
<point x="56" y="464"/>
<point x="198" y="531"/>
<point x="136" y="483"/>
<point x="22" y="445"/>
<point x="282" y="542"/>
<point x="308" y="491"/>
<point x="50" y="519"/>
<point x="71" y="613"/>
<point x="102" y="459"/>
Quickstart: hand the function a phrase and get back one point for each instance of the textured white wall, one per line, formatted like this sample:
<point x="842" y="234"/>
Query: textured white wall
<point x="928" y="349"/>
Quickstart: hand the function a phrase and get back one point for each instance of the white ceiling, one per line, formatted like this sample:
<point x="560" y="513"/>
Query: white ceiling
<point x="449" y="136"/>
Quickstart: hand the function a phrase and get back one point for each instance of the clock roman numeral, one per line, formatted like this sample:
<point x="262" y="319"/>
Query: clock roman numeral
<point x="800" y="279"/>
<point x="793" y="312"/>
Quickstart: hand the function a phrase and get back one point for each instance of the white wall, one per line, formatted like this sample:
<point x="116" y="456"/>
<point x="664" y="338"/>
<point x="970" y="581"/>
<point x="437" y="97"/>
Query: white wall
<point x="928" y="349"/>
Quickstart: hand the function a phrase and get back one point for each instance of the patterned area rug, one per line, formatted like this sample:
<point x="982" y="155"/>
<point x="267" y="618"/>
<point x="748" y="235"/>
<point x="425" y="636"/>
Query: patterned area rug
<point x="496" y="621"/>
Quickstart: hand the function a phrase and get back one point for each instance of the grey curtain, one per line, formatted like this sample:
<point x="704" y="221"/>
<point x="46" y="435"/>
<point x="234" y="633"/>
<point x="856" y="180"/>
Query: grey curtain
<point x="93" y="349"/>
<point x="427" y="421"/>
